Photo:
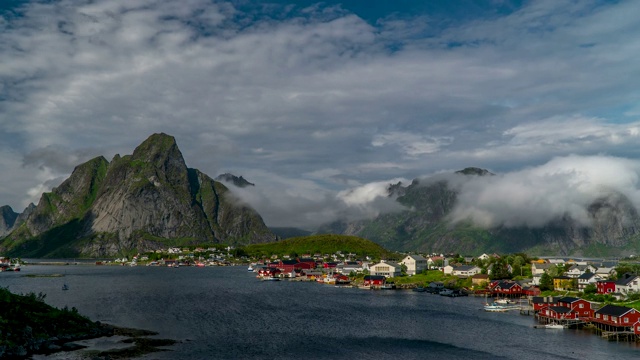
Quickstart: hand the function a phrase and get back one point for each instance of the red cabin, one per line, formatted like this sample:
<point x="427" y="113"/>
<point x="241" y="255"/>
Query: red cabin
<point x="581" y="307"/>
<point x="508" y="288"/>
<point x="618" y="316"/>
<point x="558" y="313"/>
<point x="606" y="286"/>
<point x="374" y="280"/>
<point x="543" y="302"/>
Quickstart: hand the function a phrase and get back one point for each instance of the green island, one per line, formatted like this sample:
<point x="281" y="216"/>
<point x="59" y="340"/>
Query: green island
<point x="29" y="326"/>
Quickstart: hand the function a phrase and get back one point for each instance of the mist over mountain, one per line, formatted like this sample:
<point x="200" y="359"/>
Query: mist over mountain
<point x="573" y="205"/>
<point x="139" y="202"/>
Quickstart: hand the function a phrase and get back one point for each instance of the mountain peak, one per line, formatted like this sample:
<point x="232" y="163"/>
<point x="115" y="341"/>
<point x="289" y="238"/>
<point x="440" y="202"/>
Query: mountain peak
<point x="474" y="171"/>
<point x="161" y="151"/>
<point x="235" y="180"/>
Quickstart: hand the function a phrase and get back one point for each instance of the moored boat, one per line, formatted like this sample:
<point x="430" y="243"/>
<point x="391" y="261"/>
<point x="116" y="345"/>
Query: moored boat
<point x="495" y="308"/>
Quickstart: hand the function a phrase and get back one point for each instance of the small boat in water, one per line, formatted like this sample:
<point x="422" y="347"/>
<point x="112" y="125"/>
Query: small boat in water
<point x="65" y="287"/>
<point x="554" y="326"/>
<point x="495" y="308"/>
<point x="419" y="289"/>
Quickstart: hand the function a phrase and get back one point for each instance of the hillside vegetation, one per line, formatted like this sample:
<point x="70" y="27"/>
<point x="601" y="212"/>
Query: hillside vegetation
<point x="322" y="244"/>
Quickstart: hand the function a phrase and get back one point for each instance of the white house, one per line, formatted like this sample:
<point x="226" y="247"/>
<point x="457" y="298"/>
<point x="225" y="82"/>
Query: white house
<point x="539" y="269"/>
<point x="628" y="283"/>
<point x="386" y="268"/>
<point x="464" y="271"/>
<point x="484" y="257"/>
<point x="605" y="272"/>
<point x="586" y="279"/>
<point x="415" y="264"/>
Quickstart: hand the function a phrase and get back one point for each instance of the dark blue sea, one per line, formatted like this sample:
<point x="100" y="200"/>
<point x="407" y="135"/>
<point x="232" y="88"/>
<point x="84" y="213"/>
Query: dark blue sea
<point x="226" y="313"/>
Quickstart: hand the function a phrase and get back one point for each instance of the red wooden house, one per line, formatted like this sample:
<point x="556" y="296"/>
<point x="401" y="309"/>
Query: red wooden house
<point x="558" y="313"/>
<point x="374" y="280"/>
<point x="330" y="265"/>
<point x="531" y="291"/>
<point x="506" y="288"/>
<point x="542" y="302"/>
<point x="308" y="261"/>
<point x="581" y="307"/>
<point x="616" y="316"/>
<point x="304" y="266"/>
<point x="287" y="266"/>
<point x="636" y="328"/>
<point x="606" y="286"/>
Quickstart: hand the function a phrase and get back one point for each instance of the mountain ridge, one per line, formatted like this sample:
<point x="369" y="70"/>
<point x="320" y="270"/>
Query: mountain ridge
<point x="138" y="202"/>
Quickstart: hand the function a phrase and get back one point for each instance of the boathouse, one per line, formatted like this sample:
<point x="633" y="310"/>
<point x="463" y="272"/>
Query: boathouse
<point x="506" y="288"/>
<point x="542" y="302"/>
<point x="616" y="318"/>
<point x="581" y="307"/>
<point x="374" y="280"/>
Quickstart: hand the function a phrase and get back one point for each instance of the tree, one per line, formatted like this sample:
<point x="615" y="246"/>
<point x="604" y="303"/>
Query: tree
<point x="403" y="270"/>
<point x="546" y="282"/>
<point x="590" y="289"/>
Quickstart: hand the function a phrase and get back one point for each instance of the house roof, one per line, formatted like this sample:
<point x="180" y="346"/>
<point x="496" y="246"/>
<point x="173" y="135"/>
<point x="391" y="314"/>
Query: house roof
<point x="560" y="309"/>
<point x="543" y="266"/>
<point x="626" y="279"/>
<point x="614" y="310"/>
<point x="545" y="299"/>
<point x="506" y="284"/>
<point x="464" y="267"/>
<point x="586" y="276"/>
<point x="417" y="257"/>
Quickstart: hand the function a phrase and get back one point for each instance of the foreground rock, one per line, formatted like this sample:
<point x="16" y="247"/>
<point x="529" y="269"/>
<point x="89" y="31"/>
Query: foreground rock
<point x="29" y="326"/>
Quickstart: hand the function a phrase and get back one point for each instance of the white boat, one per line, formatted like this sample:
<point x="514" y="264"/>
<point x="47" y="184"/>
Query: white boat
<point x="495" y="308"/>
<point x="270" y="278"/>
<point x="554" y="326"/>
<point x="250" y="268"/>
<point x="503" y="301"/>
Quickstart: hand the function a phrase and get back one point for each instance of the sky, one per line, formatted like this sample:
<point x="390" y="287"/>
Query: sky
<point x="323" y="104"/>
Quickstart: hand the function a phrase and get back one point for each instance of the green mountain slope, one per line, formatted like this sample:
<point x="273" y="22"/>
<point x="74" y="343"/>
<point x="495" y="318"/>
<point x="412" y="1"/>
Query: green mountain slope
<point x="137" y="202"/>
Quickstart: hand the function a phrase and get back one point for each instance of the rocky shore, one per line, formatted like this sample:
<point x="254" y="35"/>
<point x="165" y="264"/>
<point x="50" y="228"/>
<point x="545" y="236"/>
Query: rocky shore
<point x="29" y="326"/>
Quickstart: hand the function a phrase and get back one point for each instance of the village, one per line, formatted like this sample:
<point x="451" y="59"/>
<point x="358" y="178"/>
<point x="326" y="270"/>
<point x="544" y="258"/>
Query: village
<point x="603" y="295"/>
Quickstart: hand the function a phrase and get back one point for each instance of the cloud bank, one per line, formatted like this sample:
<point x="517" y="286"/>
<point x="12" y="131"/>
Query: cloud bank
<point x="536" y="196"/>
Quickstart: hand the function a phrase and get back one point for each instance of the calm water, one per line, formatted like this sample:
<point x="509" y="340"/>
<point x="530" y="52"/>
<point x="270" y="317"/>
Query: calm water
<point x="225" y="313"/>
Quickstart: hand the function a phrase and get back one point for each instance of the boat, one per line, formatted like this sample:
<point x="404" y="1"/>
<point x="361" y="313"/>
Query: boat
<point x="250" y="268"/>
<point x="504" y="301"/>
<point x="65" y="287"/>
<point x="554" y="326"/>
<point x="419" y="289"/>
<point x="495" y="308"/>
<point x="270" y="278"/>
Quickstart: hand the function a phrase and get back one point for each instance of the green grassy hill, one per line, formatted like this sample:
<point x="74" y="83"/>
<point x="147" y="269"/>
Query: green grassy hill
<point x="323" y="244"/>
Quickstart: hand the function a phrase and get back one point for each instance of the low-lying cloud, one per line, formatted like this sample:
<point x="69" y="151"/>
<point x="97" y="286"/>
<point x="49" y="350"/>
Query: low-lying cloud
<point x="564" y="186"/>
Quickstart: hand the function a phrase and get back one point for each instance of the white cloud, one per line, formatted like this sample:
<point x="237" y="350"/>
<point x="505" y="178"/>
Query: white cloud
<point x="290" y="91"/>
<point x="564" y="186"/>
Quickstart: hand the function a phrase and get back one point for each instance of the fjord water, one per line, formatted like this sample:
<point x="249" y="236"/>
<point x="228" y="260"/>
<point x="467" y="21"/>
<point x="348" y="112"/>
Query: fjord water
<point x="226" y="313"/>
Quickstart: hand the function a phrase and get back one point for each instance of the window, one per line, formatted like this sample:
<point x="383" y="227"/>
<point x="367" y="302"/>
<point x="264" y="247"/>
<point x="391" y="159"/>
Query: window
<point x="606" y="317"/>
<point x="626" y="320"/>
<point x="581" y="306"/>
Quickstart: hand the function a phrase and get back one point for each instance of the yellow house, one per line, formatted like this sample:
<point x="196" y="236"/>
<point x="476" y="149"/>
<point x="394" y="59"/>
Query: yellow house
<point x="563" y="283"/>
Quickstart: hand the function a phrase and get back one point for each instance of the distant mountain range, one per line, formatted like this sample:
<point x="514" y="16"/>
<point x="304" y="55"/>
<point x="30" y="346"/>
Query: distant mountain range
<point x="151" y="200"/>
<point x="139" y="202"/>
<point x="426" y="226"/>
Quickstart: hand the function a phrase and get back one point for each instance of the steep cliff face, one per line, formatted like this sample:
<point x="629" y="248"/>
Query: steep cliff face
<point x="7" y="219"/>
<point x="138" y="202"/>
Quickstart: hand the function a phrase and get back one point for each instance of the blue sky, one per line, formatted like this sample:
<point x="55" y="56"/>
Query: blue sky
<point x="325" y="103"/>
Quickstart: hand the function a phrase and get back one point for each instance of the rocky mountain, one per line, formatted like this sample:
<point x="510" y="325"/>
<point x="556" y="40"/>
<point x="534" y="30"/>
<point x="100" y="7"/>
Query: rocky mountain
<point x="139" y="202"/>
<point x="7" y="219"/>
<point x="235" y="180"/>
<point x="425" y="226"/>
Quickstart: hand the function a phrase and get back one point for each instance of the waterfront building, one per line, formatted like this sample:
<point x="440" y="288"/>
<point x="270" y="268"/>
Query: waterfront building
<point x="386" y="268"/>
<point x="415" y="264"/>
